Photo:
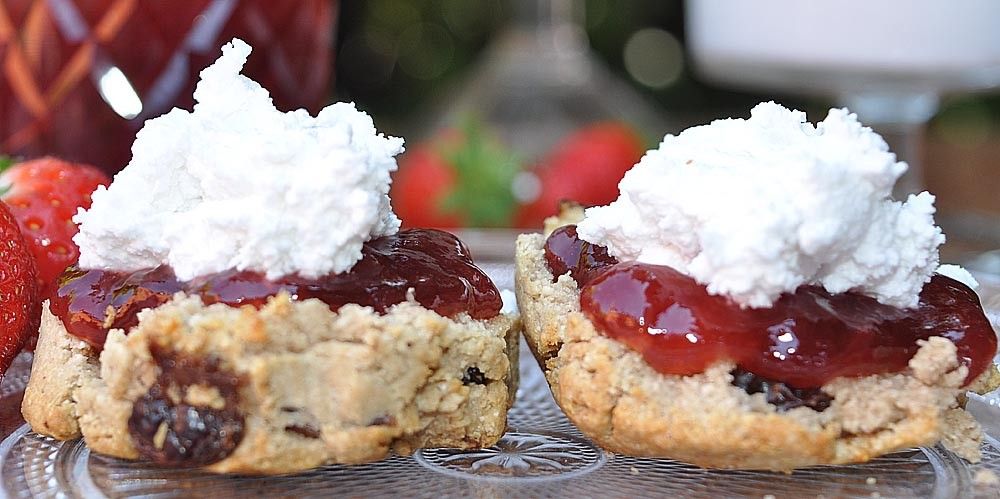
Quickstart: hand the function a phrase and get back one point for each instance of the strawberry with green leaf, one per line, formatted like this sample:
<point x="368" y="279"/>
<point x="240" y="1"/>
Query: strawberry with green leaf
<point x="585" y="167"/>
<point x="459" y="178"/>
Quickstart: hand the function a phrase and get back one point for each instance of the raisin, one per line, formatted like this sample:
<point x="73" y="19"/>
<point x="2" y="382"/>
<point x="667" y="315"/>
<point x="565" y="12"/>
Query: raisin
<point x="781" y="395"/>
<point x="176" y="433"/>
<point x="305" y="430"/>
<point x="473" y="375"/>
<point x="383" y="420"/>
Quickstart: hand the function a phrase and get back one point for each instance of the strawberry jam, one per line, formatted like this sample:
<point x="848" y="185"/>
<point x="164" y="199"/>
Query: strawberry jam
<point x="806" y="339"/>
<point x="566" y="252"/>
<point x="434" y="264"/>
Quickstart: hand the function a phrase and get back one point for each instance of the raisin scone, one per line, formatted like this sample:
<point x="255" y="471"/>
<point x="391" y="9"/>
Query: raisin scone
<point x="722" y="417"/>
<point x="756" y="298"/>
<point x="246" y="301"/>
<point x="287" y="387"/>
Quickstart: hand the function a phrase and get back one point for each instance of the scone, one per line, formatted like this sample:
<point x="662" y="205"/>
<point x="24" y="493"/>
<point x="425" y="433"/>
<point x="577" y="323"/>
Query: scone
<point x="269" y="320"/>
<point x="647" y="361"/>
<point x="287" y="387"/>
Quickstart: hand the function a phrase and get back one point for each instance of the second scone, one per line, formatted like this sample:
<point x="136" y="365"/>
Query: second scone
<point x="755" y="298"/>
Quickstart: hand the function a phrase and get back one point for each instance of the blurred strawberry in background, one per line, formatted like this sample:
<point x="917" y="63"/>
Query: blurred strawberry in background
<point x="465" y="178"/>
<point x="459" y="178"/>
<point x="585" y="167"/>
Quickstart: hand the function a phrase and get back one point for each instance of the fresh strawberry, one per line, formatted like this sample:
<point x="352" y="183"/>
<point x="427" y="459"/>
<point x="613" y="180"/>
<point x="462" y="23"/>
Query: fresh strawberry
<point x="585" y="167"/>
<point x="44" y="194"/>
<point x="456" y="179"/>
<point x="19" y="304"/>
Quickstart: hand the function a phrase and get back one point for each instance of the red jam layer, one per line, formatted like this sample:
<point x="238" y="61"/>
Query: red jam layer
<point x="435" y="264"/>
<point x="806" y="339"/>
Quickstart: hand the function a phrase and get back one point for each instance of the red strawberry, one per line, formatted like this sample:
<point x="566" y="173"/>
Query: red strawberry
<point x="44" y="194"/>
<point x="456" y="179"/>
<point x="19" y="304"/>
<point x="585" y="167"/>
<point x="421" y="186"/>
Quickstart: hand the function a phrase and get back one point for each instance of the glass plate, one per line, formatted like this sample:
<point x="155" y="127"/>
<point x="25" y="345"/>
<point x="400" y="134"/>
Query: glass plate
<point x="542" y="455"/>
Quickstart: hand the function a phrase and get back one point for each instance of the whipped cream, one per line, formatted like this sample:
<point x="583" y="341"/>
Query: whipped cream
<point x="959" y="274"/>
<point x="238" y="184"/>
<point x="755" y="207"/>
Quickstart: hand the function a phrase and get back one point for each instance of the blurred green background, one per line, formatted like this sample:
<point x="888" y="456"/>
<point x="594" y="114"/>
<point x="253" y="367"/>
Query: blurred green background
<point x="395" y="55"/>
<point x="395" y="58"/>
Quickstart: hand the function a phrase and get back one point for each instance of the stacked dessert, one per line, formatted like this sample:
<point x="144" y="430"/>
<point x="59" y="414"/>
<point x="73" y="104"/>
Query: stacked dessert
<point x="755" y="299"/>
<point x="245" y="301"/>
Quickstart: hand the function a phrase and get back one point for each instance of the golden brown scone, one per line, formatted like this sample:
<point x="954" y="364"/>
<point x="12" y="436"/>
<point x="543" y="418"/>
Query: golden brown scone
<point x="49" y="402"/>
<point x="288" y="387"/>
<point x="620" y="402"/>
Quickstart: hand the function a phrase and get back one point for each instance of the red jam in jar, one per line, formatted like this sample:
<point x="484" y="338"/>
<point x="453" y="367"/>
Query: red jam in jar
<point x="434" y="264"/>
<point x="806" y="339"/>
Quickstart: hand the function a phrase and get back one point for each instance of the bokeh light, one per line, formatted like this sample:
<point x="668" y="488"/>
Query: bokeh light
<point x="653" y="57"/>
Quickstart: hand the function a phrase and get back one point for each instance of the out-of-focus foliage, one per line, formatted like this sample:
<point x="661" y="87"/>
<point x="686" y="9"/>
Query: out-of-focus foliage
<point x="394" y="55"/>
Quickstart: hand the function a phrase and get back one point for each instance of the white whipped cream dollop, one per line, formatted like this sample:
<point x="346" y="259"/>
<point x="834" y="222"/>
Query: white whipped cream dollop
<point x="755" y="207"/>
<point x="959" y="274"/>
<point x="238" y="184"/>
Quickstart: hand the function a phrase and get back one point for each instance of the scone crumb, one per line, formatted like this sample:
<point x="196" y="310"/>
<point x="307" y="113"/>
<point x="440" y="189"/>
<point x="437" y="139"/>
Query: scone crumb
<point x="871" y="480"/>
<point x="633" y="470"/>
<point x="570" y="212"/>
<point x="984" y="477"/>
<point x="109" y="317"/>
<point x="769" y="496"/>
<point x="202" y="395"/>
<point x="161" y="435"/>
<point x="936" y="362"/>
<point x="250" y="327"/>
<point x="986" y="382"/>
<point x="962" y="435"/>
<point x="174" y="394"/>
<point x="280" y="304"/>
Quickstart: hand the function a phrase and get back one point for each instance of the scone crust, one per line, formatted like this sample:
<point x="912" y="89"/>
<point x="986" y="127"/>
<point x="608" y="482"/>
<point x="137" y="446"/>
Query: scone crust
<point x="366" y="383"/>
<point x="609" y="392"/>
<point x="66" y="363"/>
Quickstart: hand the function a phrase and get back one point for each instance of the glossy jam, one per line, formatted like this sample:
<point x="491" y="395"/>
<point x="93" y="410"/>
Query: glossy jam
<point x="434" y="264"/>
<point x="566" y="252"/>
<point x="805" y="340"/>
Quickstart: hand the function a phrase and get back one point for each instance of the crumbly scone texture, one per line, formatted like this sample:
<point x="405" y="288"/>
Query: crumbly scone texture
<point x="316" y="387"/>
<point x="49" y="402"/>
<point x="609" y="392"/>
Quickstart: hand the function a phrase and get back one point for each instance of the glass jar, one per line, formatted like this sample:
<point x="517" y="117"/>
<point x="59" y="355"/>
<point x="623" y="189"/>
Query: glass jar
<point x="79" y="77"/>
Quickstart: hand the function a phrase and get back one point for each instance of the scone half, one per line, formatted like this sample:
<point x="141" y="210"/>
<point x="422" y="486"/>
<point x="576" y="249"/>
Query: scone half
<point x="615" y="398"/>
<point x="283" y="388"/>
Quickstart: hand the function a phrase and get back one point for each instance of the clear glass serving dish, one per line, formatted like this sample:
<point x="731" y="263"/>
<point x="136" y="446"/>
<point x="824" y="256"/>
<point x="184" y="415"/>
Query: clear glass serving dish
<point x="542" y="455"/>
